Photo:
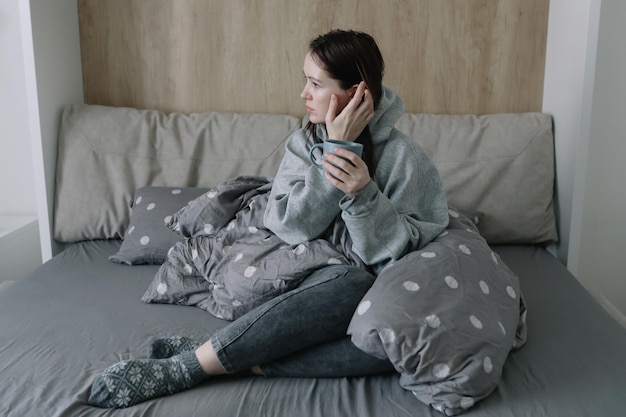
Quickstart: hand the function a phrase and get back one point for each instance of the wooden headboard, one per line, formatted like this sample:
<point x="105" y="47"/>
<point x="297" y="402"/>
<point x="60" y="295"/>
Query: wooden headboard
<point x="445" y="57"/>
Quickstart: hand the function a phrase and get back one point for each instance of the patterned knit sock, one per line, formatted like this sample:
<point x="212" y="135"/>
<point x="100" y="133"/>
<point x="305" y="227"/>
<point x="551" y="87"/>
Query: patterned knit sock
<point x="170" y="346"/>
<point x="130" y="382"/>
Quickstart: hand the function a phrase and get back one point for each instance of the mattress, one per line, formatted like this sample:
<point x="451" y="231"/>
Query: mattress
<point x="79" y="313"/>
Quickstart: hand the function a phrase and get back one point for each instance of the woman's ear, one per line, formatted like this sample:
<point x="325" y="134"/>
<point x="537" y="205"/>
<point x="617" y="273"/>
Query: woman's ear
<point x="352" y="90"/>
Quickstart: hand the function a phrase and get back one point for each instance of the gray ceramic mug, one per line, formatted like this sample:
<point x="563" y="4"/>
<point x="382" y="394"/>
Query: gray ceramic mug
<point x="330" y="145"/>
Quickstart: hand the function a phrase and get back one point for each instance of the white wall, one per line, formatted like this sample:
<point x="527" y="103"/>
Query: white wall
<point x="585" y="90"/>
<point x="19" y="232"/>
<point x="570" y="59"/>
<point x="17" y="183"/>
<point x="601" y="251"/>
<point x="52" y="66"/>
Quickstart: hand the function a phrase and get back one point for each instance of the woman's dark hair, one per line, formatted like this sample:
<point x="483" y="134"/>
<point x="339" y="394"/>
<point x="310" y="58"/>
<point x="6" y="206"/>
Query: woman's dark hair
<point x="351" y="57"/>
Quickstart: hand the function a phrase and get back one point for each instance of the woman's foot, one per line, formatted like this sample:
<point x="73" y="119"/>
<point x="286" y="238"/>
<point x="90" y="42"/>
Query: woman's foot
<point x="169" y="346"/>
<point x="131" y="382"/>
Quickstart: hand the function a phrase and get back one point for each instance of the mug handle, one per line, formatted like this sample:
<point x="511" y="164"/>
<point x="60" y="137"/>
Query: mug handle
<point x="313" y="160"/>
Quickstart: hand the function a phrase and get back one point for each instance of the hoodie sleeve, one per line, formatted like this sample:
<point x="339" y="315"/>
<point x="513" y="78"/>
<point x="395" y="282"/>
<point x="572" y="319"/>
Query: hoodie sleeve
<point x="302" y="203"/>
<point x="402" y="211"/>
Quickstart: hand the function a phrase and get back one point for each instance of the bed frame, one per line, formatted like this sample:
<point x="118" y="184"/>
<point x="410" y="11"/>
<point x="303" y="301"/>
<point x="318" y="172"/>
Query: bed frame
<point x="475" y="57"/>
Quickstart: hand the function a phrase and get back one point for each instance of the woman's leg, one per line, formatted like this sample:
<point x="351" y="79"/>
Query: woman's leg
<point x="334" y="359"/>
<point x="317" y="311"/>
<point x="328" y="359"/>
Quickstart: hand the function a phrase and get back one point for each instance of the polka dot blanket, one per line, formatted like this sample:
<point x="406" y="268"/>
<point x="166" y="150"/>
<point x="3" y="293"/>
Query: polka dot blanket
<point x="446" y="316"/>
<point x="229" y="262"/>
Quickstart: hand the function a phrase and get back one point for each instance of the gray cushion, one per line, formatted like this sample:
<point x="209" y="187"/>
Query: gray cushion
<point x="501" y="165"/>
<point x="446" y="317"/>
<point x="106" y="153"/>
<point x="147" y="238"/>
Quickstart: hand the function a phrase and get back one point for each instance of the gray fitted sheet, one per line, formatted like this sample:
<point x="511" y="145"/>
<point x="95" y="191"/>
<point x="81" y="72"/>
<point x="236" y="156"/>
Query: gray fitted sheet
<point x="79" y="313"/>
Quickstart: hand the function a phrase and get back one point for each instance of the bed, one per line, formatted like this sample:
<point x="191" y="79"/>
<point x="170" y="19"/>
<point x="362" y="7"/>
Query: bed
<point x="82" y="311"/>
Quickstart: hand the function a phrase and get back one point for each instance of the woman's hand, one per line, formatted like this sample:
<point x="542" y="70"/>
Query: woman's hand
<point x="350" y="122"/>
<point x="346" y="171"/>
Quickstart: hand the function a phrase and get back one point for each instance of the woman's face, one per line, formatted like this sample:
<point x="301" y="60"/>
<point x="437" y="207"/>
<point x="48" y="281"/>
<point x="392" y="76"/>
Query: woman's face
<point x="318" y="89"/>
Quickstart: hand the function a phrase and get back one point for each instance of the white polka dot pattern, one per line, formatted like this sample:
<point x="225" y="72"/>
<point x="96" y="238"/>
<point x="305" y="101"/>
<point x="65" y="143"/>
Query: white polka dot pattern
<point x="451" y="282"/>
<point x="487" y="365"/>
<point x="494" y="257"/>
<point x="476" y="322"/>
<point x="467" y="402"/>
<point x="511" y="292"/>
<point x="363" y="307"/>
<point x="162" y="288"/>
<point x="465" y="249"/>
<point x="411" y="286"/>
<point x="441" y="370"/>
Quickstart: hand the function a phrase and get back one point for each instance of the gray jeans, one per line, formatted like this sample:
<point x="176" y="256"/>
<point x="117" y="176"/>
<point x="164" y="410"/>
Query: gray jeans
<point x="302" y="333"/>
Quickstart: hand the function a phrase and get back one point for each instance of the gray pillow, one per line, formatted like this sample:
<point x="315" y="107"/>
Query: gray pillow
<point x="446" y="316"/>
<point x="147" y="238"/>
<point x="499" y="164"/>
<point x="106" y="153"/>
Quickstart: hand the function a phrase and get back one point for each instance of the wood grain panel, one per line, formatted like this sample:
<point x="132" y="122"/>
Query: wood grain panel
<point x="452" y="56"/>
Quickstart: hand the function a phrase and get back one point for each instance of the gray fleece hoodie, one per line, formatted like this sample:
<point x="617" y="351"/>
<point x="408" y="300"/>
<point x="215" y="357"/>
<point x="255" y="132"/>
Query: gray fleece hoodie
<point x="401" y="209"/>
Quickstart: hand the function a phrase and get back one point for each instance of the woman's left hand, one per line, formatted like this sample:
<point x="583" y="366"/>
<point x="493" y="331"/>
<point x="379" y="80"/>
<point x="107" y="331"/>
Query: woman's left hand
<point x="346" y="171"/>
<point x="350" y="122"/>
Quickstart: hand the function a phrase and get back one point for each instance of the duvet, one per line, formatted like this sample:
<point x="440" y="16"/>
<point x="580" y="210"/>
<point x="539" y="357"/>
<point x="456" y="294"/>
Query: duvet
<point x="229" y="262"/>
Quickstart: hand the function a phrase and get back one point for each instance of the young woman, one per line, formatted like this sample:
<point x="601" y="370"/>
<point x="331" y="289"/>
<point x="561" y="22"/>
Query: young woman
<point x="391" y="201"/>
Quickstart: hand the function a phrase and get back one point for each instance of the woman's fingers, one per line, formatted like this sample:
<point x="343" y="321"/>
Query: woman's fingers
<point x="346" y="171"/>
<point x="331" y="113"/>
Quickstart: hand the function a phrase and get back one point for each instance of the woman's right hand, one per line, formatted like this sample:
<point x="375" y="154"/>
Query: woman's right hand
<point x="350" y="122"/>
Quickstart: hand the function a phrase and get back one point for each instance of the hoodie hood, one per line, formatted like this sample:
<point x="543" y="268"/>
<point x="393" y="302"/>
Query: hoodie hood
<point x="389" y="110"/>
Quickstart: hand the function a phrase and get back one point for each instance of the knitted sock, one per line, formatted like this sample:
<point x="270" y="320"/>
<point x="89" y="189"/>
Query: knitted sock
<point x="170" y="346"/>
<point x="130" y="382"/>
